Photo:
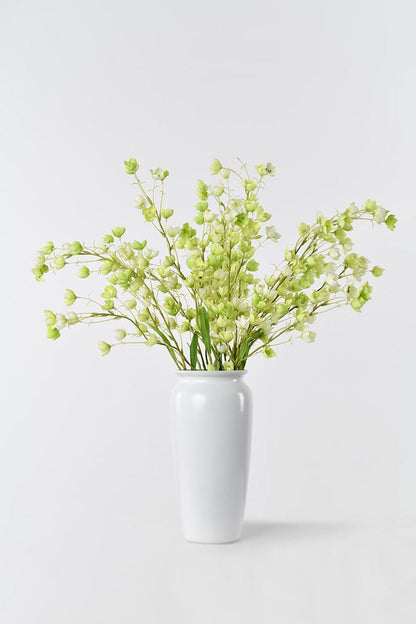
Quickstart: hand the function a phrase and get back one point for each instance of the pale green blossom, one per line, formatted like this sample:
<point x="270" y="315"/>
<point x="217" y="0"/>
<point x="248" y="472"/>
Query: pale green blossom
<point x="202" y="297"/>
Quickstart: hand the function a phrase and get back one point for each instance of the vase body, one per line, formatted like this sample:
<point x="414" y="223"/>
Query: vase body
<point x="211" y="418"/>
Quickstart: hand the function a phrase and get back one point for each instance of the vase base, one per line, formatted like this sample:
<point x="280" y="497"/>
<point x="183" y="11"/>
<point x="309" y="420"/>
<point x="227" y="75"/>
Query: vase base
<point x="212" y="541"/>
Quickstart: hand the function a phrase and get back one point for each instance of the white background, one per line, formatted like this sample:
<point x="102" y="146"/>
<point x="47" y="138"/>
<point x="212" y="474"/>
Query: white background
<point x="89" y="528"/>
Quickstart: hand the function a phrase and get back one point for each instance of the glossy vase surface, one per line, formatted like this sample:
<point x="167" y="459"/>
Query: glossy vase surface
<point x="211" y="420"/>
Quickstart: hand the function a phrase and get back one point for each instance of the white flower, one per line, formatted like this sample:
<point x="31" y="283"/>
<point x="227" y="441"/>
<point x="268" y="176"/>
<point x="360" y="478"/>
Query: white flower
<point x="271" y="233"/>
<point x="119" y="334"/>
<point x="308" y="335"/>
<point x="140" y="201"/>
<point x="334" y="253"/>
<point x="217" y="189"/>
<point x="379" y="214"/>
<point x="242" y="322"/>
<point x="150" y="253"/>
<point x="60" y="321"/>
<point x="173" y="231"/>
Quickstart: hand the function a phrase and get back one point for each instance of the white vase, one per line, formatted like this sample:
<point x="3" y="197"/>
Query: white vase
<point x="211" y="420"/>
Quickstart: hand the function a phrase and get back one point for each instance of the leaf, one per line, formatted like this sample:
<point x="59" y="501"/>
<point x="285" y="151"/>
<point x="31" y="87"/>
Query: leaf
<point x="204" y="324"/>
<point x="165" y="340"/>
<point x="193" y="350"/>
<point x="245" y="347"/>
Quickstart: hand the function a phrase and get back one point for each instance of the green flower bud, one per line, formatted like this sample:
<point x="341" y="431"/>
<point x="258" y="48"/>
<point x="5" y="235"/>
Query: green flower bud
<point x="76" y="248"/>
<point x="211" y="367"/>
<point x="48" y="248"/>
<point x="108" y="304"/>
<point x="202" y="190"/>
<point x="119" y="334"/>
<point x="50" y="318"/>
<point x="52" y="333"/>
<point x="268" y="352"/>
<point x="59" y="262"/>
<point x="391" y="222"/>
<point x="216" y="166"/>
<point x="250" y="185"/>
<point x="106" y="267"/>
<point x="370" y="205"/>
<point x="149" y="213"/>
<point x="38" y="273"/>
<point x="152" y="340"/>
<point x="130" y="304"/>
<point x="377" y="271"/>
<point x="139" y="246"/>
<point x="202" y="206"/>
<point x="83" y="272"/>
<point x="131" y="166"/>
<point x="104" y="347"/>
<point x="225" y="173"/>
<point x="199" y="219"/>
<point x="252" y="265"/>
<point x="109" y="292"/>
<point x="228" y="366"/>
<point x="251" y="205"/>
<point x="173" y="231"/>
<point x="70" y="297"/>
<point x="167" y="213"/>
<point x="118" y="231"/>
<point x="241" y="219"/>
<point x="304" y="229"/>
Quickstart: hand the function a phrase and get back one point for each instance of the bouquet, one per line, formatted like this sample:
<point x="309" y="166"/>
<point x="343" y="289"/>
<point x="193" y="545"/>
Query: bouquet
<point x="200" y="295"/>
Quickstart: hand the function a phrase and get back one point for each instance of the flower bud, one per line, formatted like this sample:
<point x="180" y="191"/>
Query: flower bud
<point x="119" y="334"/>
<point x="40" y="259"/>
<point x="50" y="318"/>
<point x="72" y="318"/>
<point x="167" y="213"/>
<point x="70" y="297"/>
<point x="118" y="231"/>
<point x="152" y="340"/>
<point x="228" y="366"/>
<point x="104" y="347"/>
<point x="173" y="231"/>
<point x="48" y="248"/>
<point x="225" y="173"/>
<point x="59" y="262"/>
<point x="130" y="304"/>
<point x="217" y="189"/>
<point x="216" y="166"/>
<point x="377" y="271"/>
<point x="76" y="248"/>
<point x="52" y="333"/>
<point x="140" y="202"/>
<point x="83" y="272"/>
<point x="268" y="352"/>
<point x="131" y="166"/>
<point x="60" y="321"/>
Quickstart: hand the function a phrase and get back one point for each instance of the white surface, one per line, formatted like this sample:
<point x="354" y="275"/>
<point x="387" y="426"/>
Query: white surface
<point x="211" y="423"/>
<point x="89" y="527"/>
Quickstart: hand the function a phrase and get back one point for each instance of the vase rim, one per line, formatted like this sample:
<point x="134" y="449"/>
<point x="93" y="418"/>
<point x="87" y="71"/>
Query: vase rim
<point x="204" y="373"/>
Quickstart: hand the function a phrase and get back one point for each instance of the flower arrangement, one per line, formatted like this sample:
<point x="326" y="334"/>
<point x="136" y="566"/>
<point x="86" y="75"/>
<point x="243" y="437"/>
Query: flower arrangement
<point x="201" y="298"/>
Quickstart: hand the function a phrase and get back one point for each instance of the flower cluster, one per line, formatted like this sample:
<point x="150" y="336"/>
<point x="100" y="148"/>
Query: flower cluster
<point x="201" y="297"/>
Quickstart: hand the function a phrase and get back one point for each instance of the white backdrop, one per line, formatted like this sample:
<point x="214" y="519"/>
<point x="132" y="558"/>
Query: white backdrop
<point x="89" y="528"/>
